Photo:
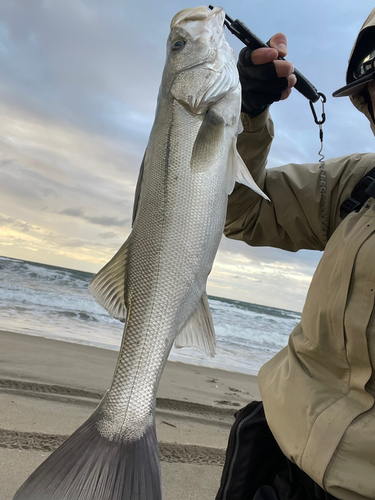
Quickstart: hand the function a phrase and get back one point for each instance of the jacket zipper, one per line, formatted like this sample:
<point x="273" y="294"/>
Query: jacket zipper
<point x="236" y="449"/>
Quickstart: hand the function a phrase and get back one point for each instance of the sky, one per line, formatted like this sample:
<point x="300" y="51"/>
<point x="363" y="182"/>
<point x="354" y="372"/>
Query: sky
<point x="78" y="87"/>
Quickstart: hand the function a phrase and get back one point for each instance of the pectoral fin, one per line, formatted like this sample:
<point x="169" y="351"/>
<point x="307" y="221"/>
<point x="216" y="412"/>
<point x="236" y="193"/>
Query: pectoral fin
<point x="108" y="286"/>
<point x="199" y="330"/>
<point x="208" y="141"/>
<point x="238" y="171"/>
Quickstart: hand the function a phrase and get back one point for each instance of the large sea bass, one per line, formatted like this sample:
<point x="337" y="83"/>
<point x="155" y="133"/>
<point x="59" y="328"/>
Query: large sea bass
<point x="157" y="280"/>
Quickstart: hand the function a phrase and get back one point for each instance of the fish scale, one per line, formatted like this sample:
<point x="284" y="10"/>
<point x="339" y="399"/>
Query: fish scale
<point x="177" y="191"/>
<point x="157" y="280"/>
<point x="170" y="289"/>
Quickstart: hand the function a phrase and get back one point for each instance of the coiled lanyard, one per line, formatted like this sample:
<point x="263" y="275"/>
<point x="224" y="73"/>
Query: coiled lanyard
<point x="322" y="175"/>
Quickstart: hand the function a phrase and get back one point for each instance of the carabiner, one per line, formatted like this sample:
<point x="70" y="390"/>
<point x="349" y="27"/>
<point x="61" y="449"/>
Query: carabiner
<point x="323" y="100"/>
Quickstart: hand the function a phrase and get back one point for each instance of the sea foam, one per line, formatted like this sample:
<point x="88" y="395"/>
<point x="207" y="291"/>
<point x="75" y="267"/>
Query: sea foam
<point x="53" y="302"/>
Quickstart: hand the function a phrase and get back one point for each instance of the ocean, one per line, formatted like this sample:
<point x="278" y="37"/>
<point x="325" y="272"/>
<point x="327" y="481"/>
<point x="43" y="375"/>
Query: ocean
<point x="54" y="302"/>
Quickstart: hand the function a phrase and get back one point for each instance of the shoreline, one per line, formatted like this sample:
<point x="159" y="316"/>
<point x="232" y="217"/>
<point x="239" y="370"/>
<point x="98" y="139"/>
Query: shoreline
<point x="199" y="360"/>
<point x="33" y="358"/>
<point x="48" y="388"/>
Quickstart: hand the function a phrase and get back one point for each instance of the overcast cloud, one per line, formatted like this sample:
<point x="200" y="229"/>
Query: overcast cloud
<point x="78" y="87"/>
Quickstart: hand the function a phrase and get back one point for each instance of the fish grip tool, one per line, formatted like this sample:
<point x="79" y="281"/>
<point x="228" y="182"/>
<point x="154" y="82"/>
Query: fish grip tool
<point x="242" y="32"/>
<point x="304" y="86"/>
<point x="247" y="37"/>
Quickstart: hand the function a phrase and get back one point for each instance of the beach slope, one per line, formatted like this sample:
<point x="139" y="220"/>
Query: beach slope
<point x="49" y="387"/>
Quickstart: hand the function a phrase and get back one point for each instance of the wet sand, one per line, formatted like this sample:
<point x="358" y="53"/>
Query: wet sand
<point x="48" y="388"/>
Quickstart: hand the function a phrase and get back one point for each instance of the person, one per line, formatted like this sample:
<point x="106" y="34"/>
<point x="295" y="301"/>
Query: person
<point x="313" y="436"/>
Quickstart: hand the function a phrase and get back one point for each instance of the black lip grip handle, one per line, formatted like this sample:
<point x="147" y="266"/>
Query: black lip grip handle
<point x="242" y="32"/>
<point x="305" y="87"/>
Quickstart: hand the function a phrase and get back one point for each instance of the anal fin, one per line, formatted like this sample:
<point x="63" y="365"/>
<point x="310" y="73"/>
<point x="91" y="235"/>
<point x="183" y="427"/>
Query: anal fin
<point x="199" y="330"/>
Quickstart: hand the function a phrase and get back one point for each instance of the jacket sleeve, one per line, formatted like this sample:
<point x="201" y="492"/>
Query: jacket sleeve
<point x="294" y="219"/>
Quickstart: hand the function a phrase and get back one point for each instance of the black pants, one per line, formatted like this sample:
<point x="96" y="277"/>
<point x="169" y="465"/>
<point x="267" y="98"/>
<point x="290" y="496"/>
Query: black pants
<point x="255" y="467"/>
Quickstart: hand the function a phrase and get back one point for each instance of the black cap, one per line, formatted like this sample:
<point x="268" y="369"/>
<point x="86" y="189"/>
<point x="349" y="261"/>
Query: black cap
<point x="356" y="86"/>
<point x="361" y="69"/>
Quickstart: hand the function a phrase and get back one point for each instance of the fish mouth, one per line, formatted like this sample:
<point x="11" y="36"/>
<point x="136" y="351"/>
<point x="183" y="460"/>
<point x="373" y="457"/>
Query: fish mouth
<point x="217" y="73"/>
<point x="192" y="15"/>
<point x="190" y="21"/>
<point x="199" y="20"/>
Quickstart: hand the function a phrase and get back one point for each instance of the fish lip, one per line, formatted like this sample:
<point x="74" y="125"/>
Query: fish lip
<point x="209" y="14"/>
<point x="197" y="66"/>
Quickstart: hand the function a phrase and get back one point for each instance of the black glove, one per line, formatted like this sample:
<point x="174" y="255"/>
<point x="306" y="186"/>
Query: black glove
<point x="260" y="84"/>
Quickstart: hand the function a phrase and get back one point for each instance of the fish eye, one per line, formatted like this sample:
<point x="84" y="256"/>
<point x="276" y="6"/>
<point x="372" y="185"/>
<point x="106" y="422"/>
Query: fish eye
<point x="178" y="45"/>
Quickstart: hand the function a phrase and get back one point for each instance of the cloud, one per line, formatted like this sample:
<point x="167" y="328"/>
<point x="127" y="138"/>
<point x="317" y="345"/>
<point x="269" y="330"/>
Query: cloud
<point x="101" y="220"/>
<point x="78" y="93"/>
<point x="31" y="240"/>
<point x="108" y="236"/>
<point x="17" y="224"/>
<point x="73" y="212"/>
<point x="262" y="275"/>
<point x="107" y="221"/>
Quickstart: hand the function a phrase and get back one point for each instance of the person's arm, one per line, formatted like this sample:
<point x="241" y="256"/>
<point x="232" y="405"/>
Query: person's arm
<point x="293" y="219"/>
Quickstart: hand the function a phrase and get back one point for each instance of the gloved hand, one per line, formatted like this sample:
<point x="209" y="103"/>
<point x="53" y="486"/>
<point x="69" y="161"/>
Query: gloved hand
<point x="264" y="78"/>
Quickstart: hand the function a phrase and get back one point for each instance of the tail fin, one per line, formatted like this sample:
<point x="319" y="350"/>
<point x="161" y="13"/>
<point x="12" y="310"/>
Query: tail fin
<point x="90" y="467"/>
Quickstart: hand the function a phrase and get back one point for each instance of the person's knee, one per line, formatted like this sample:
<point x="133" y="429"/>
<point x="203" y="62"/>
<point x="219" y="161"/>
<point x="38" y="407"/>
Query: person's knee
<point x="266" y="493"/>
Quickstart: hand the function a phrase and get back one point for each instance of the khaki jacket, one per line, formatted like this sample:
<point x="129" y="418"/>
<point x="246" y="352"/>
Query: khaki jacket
<point x="319" y="391"/>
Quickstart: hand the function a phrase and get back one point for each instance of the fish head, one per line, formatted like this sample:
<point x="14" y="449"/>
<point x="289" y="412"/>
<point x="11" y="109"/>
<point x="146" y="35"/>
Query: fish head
<point x="200" y="68"/>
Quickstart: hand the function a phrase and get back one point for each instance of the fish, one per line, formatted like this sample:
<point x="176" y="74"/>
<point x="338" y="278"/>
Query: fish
<point x="156" y="282"/>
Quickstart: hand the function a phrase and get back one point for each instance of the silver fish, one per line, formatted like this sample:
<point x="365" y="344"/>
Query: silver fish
<point x="157" y="280"/>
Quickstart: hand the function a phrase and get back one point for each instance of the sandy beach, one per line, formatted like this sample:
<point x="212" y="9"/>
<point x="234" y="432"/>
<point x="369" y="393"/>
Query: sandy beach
<point x="49" y="387"/>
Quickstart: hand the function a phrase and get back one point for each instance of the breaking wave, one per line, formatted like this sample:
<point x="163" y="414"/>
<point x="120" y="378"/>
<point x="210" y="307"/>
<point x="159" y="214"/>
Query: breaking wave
<point x="54" y="302"/>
